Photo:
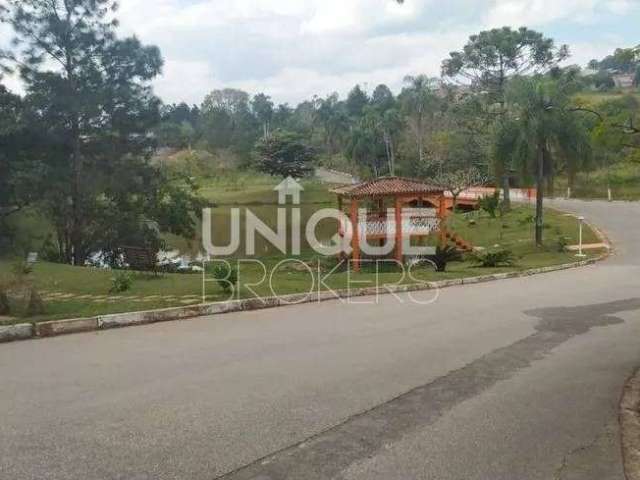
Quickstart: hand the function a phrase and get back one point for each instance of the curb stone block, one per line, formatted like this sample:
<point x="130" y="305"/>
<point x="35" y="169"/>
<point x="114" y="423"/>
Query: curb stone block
<point x="553" y="268"/>
<point x="61" y="327"/>
<point x="121" y="320"/>
<point x="259" y="303"/>
<point x="470" y="280"/>
<point x="504" y="276"/>
<point x="224" y="307"/>
<point x="327" y="295"/>
<point x="368" y="292"/>
<point x="418" y="287"/>
<point x="447" y="283"/>
<point x="295" y="298"/>
<point x="480" y="279"/>
<point x="20" y="331"/>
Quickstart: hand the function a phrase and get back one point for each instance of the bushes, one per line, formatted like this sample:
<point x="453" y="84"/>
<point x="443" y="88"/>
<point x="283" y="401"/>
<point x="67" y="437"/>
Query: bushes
<point x="225" y="275"/>
<point x="28" y="301"/>
<point x="443" y="256"/>
<point x="562" y="243"/>
<point x="497" y="258"/>
<point x="36" y="304"/>
<point x="5" y="308"/>
<point x="490" y="203"/>
<point x="121" y="282"/>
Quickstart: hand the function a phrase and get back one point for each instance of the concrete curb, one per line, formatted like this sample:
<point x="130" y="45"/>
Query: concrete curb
<point x="630" y="427"/>
<point x="21" y="331"/>
<point x="104" y="322"/>
<point x="52" y="328"/>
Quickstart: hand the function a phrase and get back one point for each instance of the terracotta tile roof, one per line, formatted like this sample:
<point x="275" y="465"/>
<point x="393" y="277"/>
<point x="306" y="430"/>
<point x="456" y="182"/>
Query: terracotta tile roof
<point x="385" y="186"/>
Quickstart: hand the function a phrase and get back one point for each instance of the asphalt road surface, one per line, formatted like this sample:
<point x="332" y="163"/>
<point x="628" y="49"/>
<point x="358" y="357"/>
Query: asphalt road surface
<point x="518" y="379"/>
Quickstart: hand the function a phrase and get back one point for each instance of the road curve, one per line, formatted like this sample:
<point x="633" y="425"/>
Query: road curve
<point x="518" y="379"/>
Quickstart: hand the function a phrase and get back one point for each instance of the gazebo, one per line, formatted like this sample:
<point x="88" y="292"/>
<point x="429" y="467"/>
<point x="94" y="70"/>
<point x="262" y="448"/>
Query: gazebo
<point x="419" y="209"/>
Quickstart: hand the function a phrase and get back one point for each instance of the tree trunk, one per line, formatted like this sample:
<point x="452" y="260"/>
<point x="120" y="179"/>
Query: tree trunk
<point x="387" y="151"/>
<point x="420" y="139"/>
<point x="393" y="157"/>
<point x="76" y="227"/>
<point x="5" y="307"/>
<point x="551" y="185"/>
<point x="540" y="195"/>
<point x="506" y="190"/>
<point x="571" y="180"/>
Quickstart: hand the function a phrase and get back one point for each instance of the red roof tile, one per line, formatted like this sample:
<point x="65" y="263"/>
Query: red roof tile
<point x="387" y="186"/>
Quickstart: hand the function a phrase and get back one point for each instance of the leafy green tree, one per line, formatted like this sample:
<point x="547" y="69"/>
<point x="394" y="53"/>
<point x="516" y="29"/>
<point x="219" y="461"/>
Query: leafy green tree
<point x="458" y="181"/>
<point x="227" y="121"/>
<point x="19" y="175"/>
<point x="356" y="102"/>
<point x="421" y="106"/>
<point x="180" y="113"/>
<point x="381" y="129"/>
<point x="491" y="57"/>
<point x="282" y="116"/>
<point x="176" y="135"/>
<point x="283" y="154"/>
<point x="364" y="147"/>
<point x="544" y="121"/>
<point x="331" y="114"/>
<point x="383" y="99"/>
<point x="90" y="101"/>
<point x="230" y="100"/>
<point x="262" y="107"/>
<point x="623" y="60"/>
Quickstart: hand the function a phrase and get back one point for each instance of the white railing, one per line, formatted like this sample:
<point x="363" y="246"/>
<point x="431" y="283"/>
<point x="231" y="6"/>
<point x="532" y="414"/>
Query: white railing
<point x="476" y="193"/>
<point x="415" y="221"/>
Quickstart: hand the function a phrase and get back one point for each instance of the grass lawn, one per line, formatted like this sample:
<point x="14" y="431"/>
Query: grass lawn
<point x="79" y="292"/>
<point x="257" y="189"/>
<point x="594" y="98"/>
<point x="623" y="177"/>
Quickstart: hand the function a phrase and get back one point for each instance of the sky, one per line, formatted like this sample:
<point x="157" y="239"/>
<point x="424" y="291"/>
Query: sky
<point x="294" y="49"/>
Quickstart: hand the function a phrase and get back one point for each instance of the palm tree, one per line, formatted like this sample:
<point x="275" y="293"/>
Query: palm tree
<point x="541" y="123"/>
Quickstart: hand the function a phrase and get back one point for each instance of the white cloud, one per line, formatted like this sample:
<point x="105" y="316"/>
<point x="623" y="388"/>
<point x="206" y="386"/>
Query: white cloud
<point x="293" y="49"/>
<point x="621" y="7"/>
<point x="538" y="12"/>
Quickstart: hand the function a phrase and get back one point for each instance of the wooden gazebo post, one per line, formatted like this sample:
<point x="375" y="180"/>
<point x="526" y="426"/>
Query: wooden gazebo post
<point x="398" y="212"/>
<point x="442" y="213"/>
<point x="355" y="241"/>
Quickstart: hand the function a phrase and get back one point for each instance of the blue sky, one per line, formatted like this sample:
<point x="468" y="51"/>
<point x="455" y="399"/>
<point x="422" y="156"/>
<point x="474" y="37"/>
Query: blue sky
<point x="292" y="49"/>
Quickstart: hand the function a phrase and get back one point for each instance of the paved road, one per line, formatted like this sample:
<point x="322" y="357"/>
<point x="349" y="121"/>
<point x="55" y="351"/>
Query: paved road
<point x="512" y="380"/>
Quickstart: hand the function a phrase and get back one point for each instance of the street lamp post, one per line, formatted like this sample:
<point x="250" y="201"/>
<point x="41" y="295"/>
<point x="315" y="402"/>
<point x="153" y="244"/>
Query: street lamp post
<point x="580" y="254"/>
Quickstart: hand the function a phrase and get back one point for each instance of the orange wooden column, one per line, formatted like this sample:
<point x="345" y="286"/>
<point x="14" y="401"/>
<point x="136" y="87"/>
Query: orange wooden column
<point x="442" y="215"/>
<point x="398" y="212"/>
<point x="355" y="240"/>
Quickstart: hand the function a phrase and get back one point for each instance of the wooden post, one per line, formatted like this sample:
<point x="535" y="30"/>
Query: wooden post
<point x="355" y="241"/>
<point x="383" y="215"/>
<point x="398" y="212"/>
<point x="442" y="215"/>
<point x="341" y="230"/>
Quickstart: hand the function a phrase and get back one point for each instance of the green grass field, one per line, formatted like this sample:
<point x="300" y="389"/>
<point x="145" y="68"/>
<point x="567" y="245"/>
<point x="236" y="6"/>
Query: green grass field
<point x="623" y="178"/>
<point x="71" y="292"/>
<point x="594" y="98"/>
